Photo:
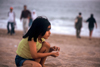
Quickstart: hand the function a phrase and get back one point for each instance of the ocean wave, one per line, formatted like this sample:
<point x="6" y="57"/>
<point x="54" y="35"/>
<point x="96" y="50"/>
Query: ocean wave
<point x="57" y="26"/>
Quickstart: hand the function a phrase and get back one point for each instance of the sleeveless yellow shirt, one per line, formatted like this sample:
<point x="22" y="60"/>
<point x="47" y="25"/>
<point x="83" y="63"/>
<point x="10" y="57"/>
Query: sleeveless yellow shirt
<point x="23" y="48"/>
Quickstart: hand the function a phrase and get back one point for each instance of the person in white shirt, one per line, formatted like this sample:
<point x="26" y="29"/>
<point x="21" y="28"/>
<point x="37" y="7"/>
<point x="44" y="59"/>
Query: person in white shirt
<point x="11" y="21"/>
<point x="33" y="17"/>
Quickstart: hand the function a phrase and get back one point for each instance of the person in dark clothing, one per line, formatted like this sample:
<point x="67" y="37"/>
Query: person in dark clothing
<point x="91" y="21"/>
<point x="25" y="15"/>
<point x="78" y="25"/>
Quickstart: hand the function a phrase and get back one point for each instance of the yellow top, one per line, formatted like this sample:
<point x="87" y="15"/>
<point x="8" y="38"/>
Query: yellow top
<point x="23" y="48"/>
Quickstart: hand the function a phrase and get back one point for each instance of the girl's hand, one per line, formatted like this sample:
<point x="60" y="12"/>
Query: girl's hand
<point x="55" y="54"/>
<point x="54" y="48"/>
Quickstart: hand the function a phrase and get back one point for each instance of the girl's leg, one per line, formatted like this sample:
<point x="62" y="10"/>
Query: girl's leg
<point x="45" y="49"/>
<point x="29" y="63"/>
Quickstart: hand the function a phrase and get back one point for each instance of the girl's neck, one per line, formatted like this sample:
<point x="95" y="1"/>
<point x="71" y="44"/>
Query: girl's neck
<point x="39" y="39"/>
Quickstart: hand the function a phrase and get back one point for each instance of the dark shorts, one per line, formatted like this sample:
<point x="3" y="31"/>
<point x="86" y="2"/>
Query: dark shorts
<point x="19" y="60"/>
<point x="91" y="29"/>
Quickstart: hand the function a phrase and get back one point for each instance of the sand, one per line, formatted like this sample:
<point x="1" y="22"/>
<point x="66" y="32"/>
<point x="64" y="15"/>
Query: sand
<point x="74" y="52"/>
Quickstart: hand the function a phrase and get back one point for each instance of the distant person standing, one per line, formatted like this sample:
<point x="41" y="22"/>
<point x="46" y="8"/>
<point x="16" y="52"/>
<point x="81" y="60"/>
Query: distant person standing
<point x="11" y="21"/>
<point x="25" y="16"/>
<point x="91" y="21"/>
<point x="78" y="25"/>
<point x="33" y="17"/>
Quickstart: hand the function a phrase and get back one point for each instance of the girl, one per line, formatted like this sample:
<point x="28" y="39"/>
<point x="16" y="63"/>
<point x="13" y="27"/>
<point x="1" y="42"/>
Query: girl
<point x="33" y="49"/>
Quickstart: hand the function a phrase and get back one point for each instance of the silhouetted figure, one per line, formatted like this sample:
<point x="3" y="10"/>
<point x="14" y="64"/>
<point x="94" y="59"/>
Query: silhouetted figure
<point x="78" y="25"/>
<point x="91" y="21"/>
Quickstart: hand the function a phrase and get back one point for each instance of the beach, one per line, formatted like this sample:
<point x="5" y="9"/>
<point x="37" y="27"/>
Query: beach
<point x="73" y="52"/>
<point x="61" y="14"/>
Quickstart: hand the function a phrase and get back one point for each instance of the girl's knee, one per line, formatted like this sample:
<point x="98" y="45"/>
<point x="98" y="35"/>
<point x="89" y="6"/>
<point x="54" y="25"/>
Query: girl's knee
<point x="46" y="44"/>
<point x="45" y="47"/>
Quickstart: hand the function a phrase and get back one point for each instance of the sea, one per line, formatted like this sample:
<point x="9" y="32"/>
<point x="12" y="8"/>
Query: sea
<point x="61" y="14"/>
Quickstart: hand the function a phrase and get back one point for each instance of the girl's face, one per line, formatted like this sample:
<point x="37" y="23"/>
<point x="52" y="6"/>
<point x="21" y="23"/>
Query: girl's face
<point x="47" y="34"/>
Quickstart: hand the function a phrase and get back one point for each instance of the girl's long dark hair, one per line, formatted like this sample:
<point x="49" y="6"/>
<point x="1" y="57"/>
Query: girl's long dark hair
<point x="39" y="26"/>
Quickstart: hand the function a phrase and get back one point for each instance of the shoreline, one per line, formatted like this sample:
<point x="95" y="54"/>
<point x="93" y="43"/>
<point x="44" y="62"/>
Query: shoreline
<point x="67" y="29"/>
<point x="20" y="32"/>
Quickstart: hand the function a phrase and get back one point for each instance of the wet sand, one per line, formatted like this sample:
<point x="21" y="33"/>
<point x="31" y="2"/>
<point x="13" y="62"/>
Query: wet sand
<point x="74" y="52"/>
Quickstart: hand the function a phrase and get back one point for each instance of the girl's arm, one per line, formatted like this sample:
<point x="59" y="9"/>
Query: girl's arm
<point x="36" y="55"/>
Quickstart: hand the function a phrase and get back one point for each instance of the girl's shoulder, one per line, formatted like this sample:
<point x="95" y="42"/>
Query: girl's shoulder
<point x="42" y="39"/>
<point x="24" y="40"/>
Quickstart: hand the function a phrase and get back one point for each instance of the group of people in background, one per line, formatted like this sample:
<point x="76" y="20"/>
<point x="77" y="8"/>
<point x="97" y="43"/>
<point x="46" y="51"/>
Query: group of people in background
<point x="26" y="17"/>
<point x="78" y="25"/>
